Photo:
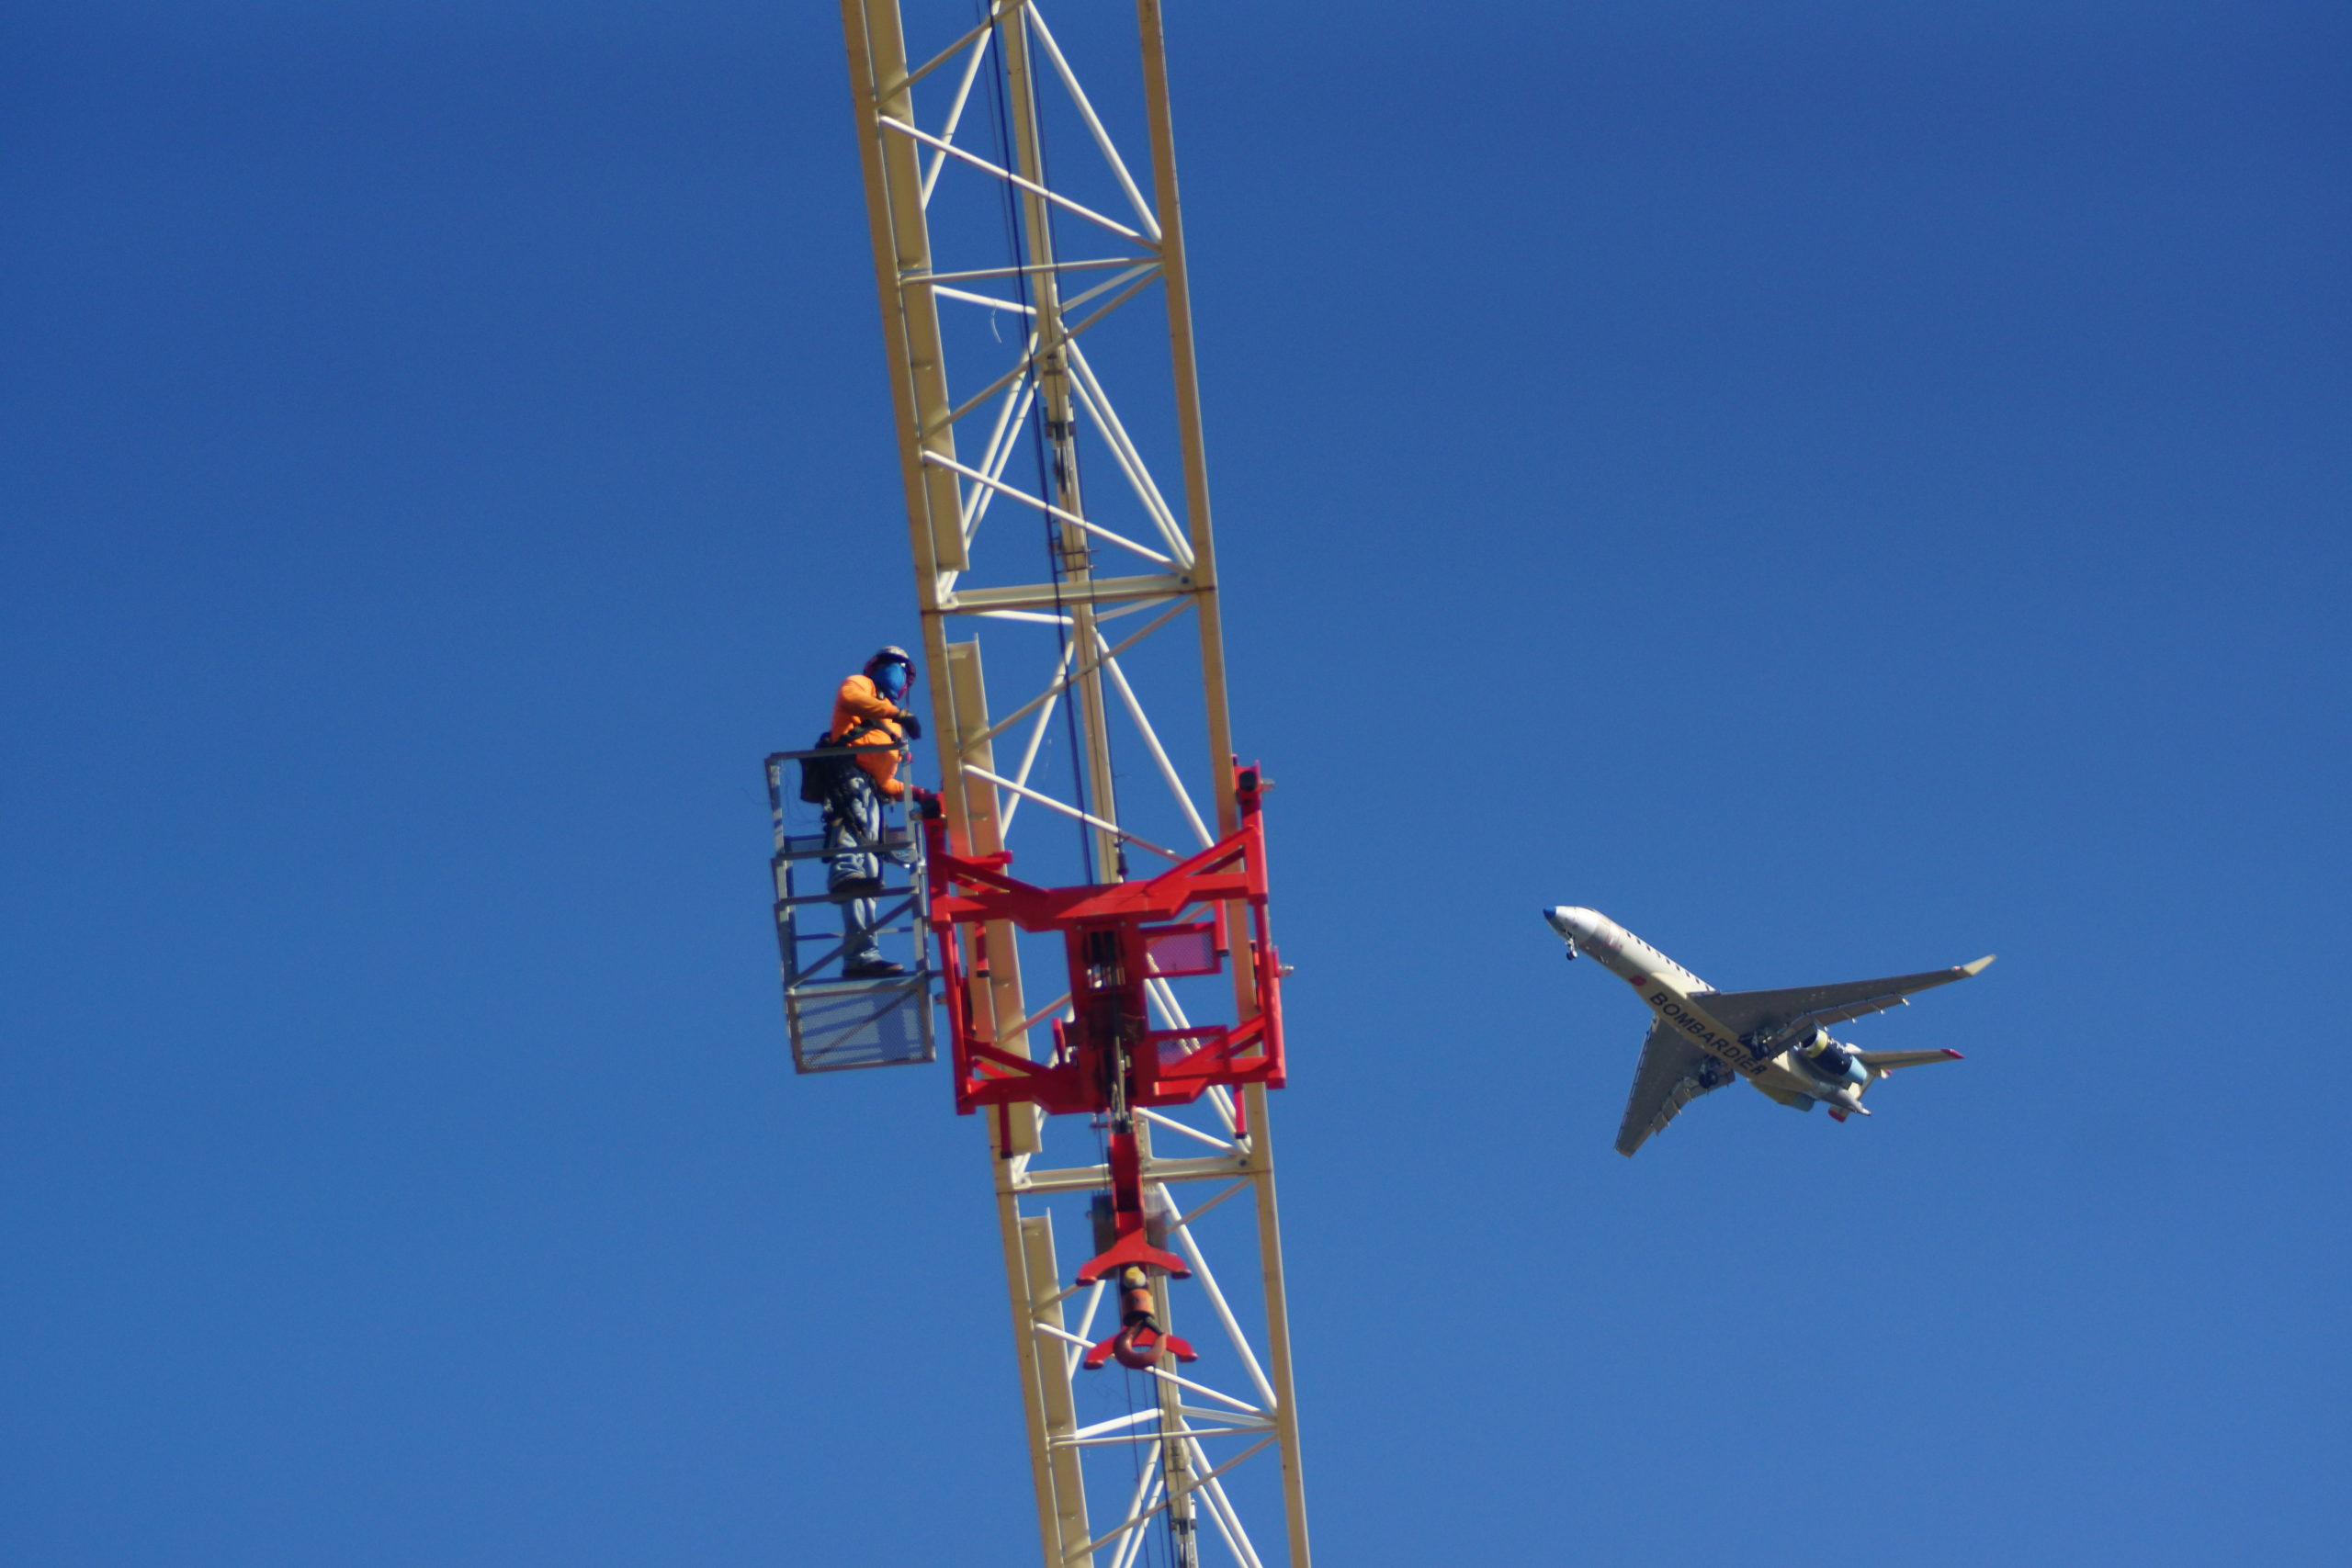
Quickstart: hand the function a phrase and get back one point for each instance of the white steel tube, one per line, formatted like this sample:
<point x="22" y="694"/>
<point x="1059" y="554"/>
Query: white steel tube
<point x="1131" y="1547"/>
<point x="998" y="452"/>
<point x="955" y="110"/>
<point x="1086" y="110"/>
<point x="1225" y="1315"/>
<point x="1203" y="1389"/>
<point x="1102" y="287"/>
<point x="1211" y="1203"/>
<point x="1072" y="812"/>
<point x="1070" y="335"/>
<point x="976" y="504"/>
<point x="990" y="300"/>
<point x="1065" y="1335"/>
<point x="1221" y="1510"/>
<point x="1097" y="403"/>
<point x="1127" y="607"/>
<point x="1063" y="679"/>
<point x="1134" y="1520"/>
<point x="1085" y="1326"/>
<point x="1238" y="1423"/>
<point x="1047" y="507"/>
<point x="1036" y="739"/>
<point x="1029" y="270"/>
<point x="1146" y="1490"/>
<point x="1175" y="1126"/>
<point x="1159" y="993"/>
<point x="1113" y="1424"/>
<point x="1035" y="617"/>
<point x="1031" y="186"/>
<point x="1216" y="1516"/>
<point x="1094" y="1178"/>
<point x="1038" y="1017"/>
<point x="1115" y="1438"/>
<point x="945" y="55"/>
<point x="977" y="398"/>
<point x="1137" y="481"/>
<point x="1151" y="741"/>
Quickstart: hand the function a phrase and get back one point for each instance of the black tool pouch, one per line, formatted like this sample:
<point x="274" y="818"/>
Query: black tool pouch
<point x="820" y="777"/>
<point x="824" y="780"/>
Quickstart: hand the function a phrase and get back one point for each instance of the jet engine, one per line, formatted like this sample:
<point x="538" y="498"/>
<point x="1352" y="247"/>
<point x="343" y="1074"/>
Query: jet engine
<point x="1831" y="1059"/>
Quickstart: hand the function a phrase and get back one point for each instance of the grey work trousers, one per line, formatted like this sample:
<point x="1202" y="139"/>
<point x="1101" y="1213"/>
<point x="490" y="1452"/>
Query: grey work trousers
<point x="853" y="836"/>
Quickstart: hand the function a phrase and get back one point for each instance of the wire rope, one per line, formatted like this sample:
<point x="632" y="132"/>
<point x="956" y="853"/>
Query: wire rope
<point x="1159" y="1547"/>
<point x="1063" y="477"/>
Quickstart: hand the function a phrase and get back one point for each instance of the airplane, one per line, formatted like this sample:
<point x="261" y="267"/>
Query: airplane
<point x="1702" y="1038"/>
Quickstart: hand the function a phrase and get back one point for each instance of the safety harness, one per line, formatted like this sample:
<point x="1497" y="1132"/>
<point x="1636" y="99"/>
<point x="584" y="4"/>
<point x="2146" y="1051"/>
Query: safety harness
<point x="825" y="781"/>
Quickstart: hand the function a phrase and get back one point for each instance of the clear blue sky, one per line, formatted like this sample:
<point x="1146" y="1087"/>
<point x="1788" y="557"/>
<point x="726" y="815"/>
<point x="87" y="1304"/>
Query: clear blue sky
<point x="1841" y="487"/>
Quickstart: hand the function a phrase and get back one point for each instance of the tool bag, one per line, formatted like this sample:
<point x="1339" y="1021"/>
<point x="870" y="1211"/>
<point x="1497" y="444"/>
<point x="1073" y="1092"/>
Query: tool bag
<point x="825" y="780"/>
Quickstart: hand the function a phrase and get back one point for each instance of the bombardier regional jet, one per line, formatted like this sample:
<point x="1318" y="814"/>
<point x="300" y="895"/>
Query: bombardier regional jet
<point x="1700" y="1038"/>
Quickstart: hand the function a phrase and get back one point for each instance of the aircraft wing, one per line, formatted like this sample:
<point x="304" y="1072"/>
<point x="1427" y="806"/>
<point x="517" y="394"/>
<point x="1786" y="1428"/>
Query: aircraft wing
<point x="1744" y="1013"/>
<point x="1674" y="1071"/>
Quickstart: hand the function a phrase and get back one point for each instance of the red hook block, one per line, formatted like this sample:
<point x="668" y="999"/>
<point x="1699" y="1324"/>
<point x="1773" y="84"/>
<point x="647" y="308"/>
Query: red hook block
<point x="1134" y="1244"/>
<point x="1140" y="1343"/>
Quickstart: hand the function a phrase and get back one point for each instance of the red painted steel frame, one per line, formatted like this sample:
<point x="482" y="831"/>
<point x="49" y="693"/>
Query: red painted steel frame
<point x="1106" y="931"/>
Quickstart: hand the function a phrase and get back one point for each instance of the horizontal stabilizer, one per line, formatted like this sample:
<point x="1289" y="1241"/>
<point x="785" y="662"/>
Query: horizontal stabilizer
<point x="1887" y="1061"/>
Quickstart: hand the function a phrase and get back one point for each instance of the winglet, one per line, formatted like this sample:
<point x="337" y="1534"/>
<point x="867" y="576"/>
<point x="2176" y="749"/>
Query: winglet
<point x="1978" y="967"/>
<point x="1953" y="1054"/>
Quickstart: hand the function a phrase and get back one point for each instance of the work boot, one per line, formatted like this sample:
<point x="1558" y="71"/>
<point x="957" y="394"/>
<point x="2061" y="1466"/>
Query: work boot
<point x="872" y="969"/>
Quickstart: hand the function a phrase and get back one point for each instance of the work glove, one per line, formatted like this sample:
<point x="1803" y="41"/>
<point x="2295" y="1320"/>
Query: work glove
<point x="910" y="724"/>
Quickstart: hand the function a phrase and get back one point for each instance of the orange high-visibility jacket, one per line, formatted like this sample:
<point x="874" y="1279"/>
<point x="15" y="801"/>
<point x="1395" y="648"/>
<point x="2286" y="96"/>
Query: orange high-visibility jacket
<point x="859" y="702"/>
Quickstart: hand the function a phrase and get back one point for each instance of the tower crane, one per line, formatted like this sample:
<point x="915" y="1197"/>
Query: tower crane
<point x="1095" y="837"/>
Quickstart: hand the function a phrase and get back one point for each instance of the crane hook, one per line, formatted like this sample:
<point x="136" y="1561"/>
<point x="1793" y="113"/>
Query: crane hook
<point x="1140" y="1343"/>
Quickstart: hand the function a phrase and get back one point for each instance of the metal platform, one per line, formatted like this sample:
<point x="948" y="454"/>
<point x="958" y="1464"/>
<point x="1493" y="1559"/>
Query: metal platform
<point x="835" y="1022"/>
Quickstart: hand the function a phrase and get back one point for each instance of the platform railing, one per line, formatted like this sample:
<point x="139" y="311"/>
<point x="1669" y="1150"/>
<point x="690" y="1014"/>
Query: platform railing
<point x="835" y="1022"/>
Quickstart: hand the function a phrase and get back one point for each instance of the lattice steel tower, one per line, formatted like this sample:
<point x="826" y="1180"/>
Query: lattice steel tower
<point x="1049" y="439"/>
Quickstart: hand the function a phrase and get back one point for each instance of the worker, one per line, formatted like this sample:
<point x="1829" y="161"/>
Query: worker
<point x="868" y="711"/>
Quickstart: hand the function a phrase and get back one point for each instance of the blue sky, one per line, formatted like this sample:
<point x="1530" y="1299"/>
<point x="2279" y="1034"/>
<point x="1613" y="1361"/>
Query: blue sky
<point x="1841" y="488"/>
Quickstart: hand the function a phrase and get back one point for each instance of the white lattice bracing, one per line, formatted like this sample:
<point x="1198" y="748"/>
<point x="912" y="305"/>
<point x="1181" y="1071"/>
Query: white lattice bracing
<point x="1030" y="261"/>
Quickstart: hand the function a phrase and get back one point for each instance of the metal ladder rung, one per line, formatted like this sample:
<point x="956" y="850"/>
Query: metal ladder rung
<point x="885" y="897"/>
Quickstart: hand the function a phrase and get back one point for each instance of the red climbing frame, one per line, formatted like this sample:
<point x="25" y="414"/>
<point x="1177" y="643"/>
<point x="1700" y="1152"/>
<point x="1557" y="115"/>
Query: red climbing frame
<point x="1116" y="936"/>
<point x="1107" y="1059"/>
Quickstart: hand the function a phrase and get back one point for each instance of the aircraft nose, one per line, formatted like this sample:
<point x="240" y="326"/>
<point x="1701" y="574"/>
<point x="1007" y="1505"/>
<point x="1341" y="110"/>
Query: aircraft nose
<point x="1582" y="926"/>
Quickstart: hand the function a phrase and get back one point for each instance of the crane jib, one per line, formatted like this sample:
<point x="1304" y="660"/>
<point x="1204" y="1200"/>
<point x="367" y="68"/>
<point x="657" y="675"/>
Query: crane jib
<point x="1000" y="192"/>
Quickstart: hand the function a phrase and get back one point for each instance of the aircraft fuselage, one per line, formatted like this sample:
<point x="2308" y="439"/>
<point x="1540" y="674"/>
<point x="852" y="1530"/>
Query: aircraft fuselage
<point x="1679" y="998"/>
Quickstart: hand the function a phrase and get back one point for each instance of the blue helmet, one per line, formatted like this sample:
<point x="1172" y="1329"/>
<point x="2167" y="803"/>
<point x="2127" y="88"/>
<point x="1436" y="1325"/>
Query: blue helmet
<point x="879" y="669"/>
